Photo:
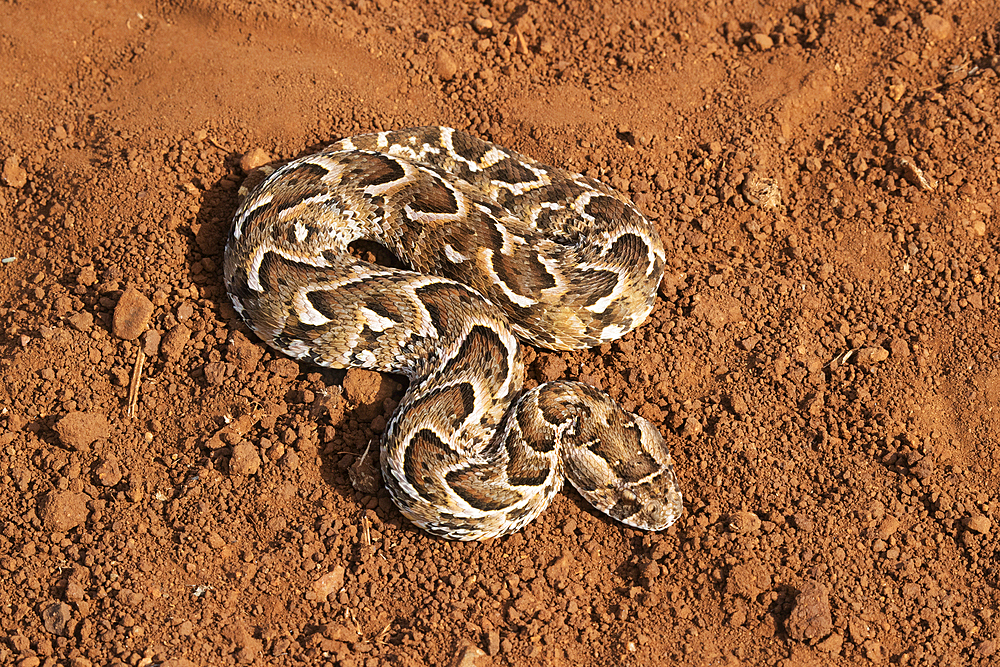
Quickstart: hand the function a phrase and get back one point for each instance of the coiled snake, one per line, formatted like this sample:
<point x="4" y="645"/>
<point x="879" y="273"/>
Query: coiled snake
<point x="501" y="247"/>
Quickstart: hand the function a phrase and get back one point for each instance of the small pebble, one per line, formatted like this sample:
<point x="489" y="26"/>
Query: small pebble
<point x="331" y="582"/>
<point x="810" y="619"/>
<point x="803" y="522"/>
<point x="253" y="158"/>
<point x="467" y="656"/>
<point x="108" y="472"/>
<point x="13" y="175"/>
<point x="692" y="427"/>
<point x="81" y="321"/>
<point x="445" y="65"/>
<point x="939" y="28"/>
<point x="888" y="526"/>
<point x="871" y="355"/>
<point x="978" y="523"/>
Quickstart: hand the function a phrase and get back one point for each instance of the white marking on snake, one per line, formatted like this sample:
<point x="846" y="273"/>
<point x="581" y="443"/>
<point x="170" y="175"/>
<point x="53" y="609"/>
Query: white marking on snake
<point x="454" y="256"/>
<point x="306" y="311"/>
<point x="300" y="232"/>
<point x="375" y="321"/>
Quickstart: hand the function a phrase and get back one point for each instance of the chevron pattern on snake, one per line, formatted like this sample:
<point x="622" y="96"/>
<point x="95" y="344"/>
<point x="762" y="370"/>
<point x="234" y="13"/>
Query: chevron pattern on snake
<point x="501" y="247"/>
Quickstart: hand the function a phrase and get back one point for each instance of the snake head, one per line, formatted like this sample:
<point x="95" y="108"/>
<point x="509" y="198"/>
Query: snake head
<point x="628" y="473"/>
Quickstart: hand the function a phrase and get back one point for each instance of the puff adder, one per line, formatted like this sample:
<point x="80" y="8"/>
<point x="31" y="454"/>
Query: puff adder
<point x="501" y="247"/>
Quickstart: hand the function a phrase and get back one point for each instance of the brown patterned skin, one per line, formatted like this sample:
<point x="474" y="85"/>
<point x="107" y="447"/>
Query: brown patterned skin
<point x="501" y="247"/>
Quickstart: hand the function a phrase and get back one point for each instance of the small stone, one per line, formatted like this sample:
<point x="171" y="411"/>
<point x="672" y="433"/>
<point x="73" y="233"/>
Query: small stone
<point x="75" y="590"/>
<point x="243" y="352"/>
<point x="340" y="632"/>
<point x="871" y="355"/>
<point x="938" y="27"/>
<point x="87" y="276"/>
<point x="744" y="522"/>
<point x="899" y="348"/>
<point x="692" y="427"/>
<point x="245" y="460"/>
<point x="810" y="619"/>
<point x="978" y="523"/>
<point x="888" y="526"/>
<point x="131" y="314"/>
<point x="253" y="158"/>
<point x="331" y="582"/>
<point x="81" y="321"/>
<point x="482" y="26"/>
<point x="908" y="58"/>
<point x="78" y="430"/>
<point x="985" y="648"/>
<point x="763" y="42"/>
<point x="174" y="341"/>
<point x="13" y="174"/>
<point x="55" y="617"/>
<point x="216" y="541"/>
<point x="64" y="510"/>
<point x="493" y="642"/>
<point x="467" y="656"/>
<point x="445" y="65"/>
<point x="739" y="403"/>
<point x="19" y="643"/>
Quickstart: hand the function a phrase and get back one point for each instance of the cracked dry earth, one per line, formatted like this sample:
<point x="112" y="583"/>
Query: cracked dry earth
<point x="822" y="359"/>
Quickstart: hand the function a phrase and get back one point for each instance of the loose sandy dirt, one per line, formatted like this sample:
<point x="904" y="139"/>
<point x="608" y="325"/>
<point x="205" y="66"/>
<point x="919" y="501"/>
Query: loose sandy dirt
<point x="823" y="359"/>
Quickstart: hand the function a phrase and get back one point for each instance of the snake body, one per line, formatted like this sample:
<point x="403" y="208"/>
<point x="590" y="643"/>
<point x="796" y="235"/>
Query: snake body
<point x="501" y="247"/>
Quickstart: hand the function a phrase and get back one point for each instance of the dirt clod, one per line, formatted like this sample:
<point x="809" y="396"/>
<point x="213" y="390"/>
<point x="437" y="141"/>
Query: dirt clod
<point x="13" y="174"/>
<point x="810" y="619"/>
<point x="78" y="430"/>
<point x="172" y="345"/>
<point x="56" y="617"/>
<point x="978" y="523"/>
<point x="331" y="582"/>
<point x="245" y="460"/>
<point x="64" y="510"/>
<point x="445" y="65"/>
<point x="131" y="314"/>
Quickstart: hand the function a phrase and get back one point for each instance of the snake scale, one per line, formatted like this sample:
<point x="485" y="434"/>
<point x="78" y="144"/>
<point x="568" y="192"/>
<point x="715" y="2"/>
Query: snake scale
<point x="501" y="248"/>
